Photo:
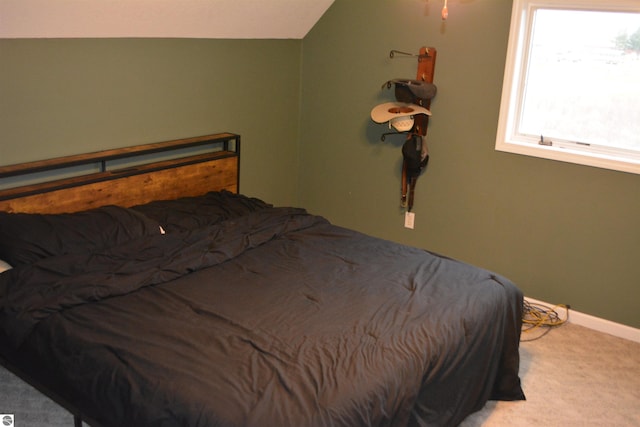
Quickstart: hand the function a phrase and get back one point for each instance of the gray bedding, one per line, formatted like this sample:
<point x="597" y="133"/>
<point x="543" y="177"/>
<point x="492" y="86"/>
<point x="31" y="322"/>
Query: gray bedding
<point x="263" y="317"/>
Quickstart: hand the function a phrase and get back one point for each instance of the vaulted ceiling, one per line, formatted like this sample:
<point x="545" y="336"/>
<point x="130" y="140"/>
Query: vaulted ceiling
<point x="217" y="19"/>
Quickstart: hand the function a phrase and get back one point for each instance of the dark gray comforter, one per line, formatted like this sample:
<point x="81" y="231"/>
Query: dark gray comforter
<point x="272" y="318"/>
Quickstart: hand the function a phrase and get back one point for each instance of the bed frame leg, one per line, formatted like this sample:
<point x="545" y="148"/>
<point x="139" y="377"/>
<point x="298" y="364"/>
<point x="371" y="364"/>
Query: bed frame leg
<point x="77" y="421"/>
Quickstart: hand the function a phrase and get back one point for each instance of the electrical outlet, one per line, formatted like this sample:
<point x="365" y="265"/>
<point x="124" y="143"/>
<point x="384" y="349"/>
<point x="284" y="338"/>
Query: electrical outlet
<point x="409" y="220"/>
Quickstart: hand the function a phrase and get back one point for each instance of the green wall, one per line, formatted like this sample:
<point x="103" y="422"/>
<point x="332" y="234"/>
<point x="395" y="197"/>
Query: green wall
<point x="68" y="96"/>
<point x="564" y="233"/>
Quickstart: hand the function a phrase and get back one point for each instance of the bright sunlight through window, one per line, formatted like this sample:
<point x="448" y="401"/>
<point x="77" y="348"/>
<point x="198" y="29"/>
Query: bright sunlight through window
<point x="571" y="88"/>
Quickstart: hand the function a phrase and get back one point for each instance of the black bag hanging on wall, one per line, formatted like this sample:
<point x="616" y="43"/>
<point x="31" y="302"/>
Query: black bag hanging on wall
<point x="415" y="159"/>
<point x="415" y="155"/>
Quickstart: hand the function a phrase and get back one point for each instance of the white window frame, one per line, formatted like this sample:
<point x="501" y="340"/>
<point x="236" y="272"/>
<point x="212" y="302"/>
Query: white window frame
<point x="507" y="139"/>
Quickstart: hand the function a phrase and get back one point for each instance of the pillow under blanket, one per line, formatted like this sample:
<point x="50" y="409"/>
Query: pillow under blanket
<point x="27" y="238"/>
<point x="190" y="213"/>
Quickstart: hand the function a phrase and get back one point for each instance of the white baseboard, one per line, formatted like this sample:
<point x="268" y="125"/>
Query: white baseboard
<point x="596" y="323"/>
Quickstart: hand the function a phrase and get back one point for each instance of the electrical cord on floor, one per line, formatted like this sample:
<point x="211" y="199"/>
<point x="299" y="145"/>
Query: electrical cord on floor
<point x="537" y="316"/>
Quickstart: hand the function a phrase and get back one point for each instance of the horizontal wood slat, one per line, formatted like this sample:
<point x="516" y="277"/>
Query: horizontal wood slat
<point x="162" y="180"/>
<point x="113" y="154"/>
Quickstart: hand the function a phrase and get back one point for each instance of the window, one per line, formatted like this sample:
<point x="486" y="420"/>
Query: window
<point x="571" y="88"/>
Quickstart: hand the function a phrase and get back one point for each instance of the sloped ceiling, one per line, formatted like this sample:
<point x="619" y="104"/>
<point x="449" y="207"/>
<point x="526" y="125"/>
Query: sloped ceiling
<point x="217" y="19"/>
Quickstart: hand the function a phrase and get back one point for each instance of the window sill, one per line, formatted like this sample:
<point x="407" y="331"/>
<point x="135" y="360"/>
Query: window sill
<point x="565" y="154"/>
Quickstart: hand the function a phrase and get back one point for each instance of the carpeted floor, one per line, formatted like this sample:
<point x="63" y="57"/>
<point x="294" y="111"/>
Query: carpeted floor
<point x="573" y="376"/>
<point x="28" y="406"/>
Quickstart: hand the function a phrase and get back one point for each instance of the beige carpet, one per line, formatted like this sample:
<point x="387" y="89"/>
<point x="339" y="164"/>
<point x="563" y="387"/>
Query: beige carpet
<point x="573" y="376"/>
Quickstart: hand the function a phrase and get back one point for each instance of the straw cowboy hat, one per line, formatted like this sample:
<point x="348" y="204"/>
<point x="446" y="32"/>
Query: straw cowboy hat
<point x="398" y="114"/>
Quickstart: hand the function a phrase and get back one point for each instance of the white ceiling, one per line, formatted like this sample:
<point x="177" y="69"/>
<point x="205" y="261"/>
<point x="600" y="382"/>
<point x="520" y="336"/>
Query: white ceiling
<point x="217" y="19"/>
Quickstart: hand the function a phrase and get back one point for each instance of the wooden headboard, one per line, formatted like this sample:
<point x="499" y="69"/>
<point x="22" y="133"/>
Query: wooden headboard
<point x="214" y="167"/>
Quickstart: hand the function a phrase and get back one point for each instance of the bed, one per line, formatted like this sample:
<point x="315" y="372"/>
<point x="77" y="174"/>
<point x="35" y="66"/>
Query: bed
<point x="160" y="295"/>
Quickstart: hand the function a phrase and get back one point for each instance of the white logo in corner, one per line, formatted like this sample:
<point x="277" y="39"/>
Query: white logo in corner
<point x="7" y="420"/>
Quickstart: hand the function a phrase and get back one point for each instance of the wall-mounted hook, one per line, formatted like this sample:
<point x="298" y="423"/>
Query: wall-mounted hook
<point x="394" y="52"/>
<point x="384" y="135"/>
